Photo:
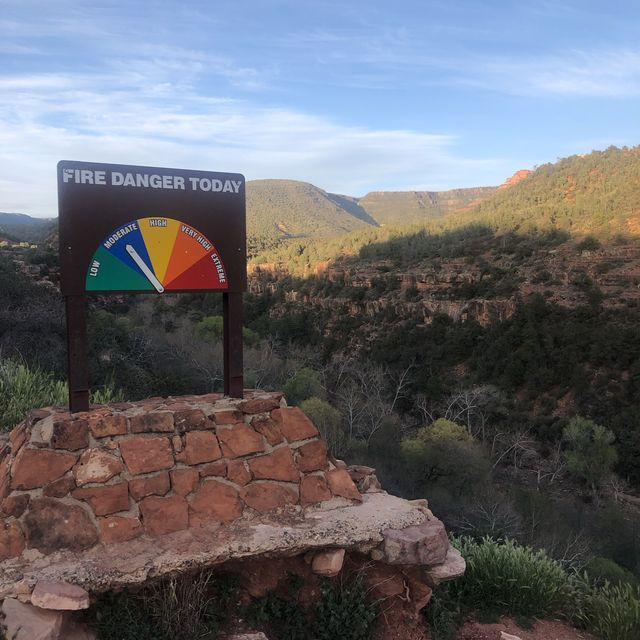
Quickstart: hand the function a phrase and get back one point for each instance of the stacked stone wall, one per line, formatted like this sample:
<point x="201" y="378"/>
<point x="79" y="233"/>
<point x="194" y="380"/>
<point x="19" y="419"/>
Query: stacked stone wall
<point x="73" y="481"/>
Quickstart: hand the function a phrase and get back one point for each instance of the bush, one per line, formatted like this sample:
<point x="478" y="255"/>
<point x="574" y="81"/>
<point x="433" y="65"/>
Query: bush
<point x="613" y="612"/>
<point x="341" y="612"/>
<point x="602" y="570"/>
<point x="514" y="580"/>
<point x="328" y="421"/>
<point x="305" y="384"/>
<point x="23" y="389"/>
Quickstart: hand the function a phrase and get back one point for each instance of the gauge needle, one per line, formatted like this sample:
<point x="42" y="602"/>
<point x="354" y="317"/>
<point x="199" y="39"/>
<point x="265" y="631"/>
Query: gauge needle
<point x="143" y="267"/>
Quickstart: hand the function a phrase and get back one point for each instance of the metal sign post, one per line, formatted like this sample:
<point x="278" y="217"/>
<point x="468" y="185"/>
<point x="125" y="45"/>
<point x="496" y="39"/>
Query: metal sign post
<point x="128" y="229"/>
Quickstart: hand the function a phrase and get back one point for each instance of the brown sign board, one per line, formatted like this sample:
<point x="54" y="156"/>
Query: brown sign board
<point x="131" y="229"/>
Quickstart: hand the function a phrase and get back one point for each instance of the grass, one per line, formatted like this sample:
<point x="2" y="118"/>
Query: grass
<point x="23" y="389"/>
<point x="504" y="578"/>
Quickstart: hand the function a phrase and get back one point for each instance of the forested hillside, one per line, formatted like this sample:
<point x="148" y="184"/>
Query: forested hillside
<point x="597" y="193"/>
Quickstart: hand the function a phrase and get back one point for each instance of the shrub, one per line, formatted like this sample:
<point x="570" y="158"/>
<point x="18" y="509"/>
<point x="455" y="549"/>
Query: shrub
<point x="305" y="384"/>
<point x="601" y="570"/>
<point x="613" y="612"/>
<point x="590" y="243"/>
<point x="513" y="579"/>
<point x="343" y="612"/>
<point x="23" y="389"/>
<point x="328" y="421"/>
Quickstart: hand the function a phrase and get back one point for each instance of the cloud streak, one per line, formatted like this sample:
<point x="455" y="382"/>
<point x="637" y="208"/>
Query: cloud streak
<point x="47" y="118"/>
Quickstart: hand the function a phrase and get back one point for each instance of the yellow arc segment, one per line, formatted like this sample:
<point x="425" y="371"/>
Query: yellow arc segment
<point x="159" y="235"/>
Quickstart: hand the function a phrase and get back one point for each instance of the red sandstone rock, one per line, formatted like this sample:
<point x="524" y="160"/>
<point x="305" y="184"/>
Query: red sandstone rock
<point x="144" y="455"/>
<point x="422" y="544"/>
<point x="200" y="446"/>
<point x="360" y="471"/>
<point x="192" y="419"/>
<point x="160" y="422"/>
<point x="50" y="526"/>
<point x="240" y="440"/>
<point x="294" y="424"/>
<point x="313" y="456"/>
<point x="59" y="596"/>
<point x="384" y="581"/>
<point x="341" y="484"/>
<point x="17" y="437"/>
<point x="269" y="429"/>
<point x="72" y="435"/>
<point x="277" y="465"/>
<point x="184" y="481"/>
<point x="227" y="417"/>
<point x="119" y="529"/>
<point x="5" y="479"/>
<point x="314" y="489"/>
<point x="34" y="468"/>
<point x="164" y="515"/>
<point x="419" y="591"/>
<point x="213" y="469"/>
<point x="328" y="563"/>
<point x="109" y="425"/>
<point x="237" y="472"/>
<point x="266" y="496"/>
<point x="59" y="488"/>
<point x="96" y="465"/>
<point x="15" y="505"/>
<point x="26" y="622"/>
<point x="215" y="500"/>
<point x="105" y="500"/>
<point x="259" y="405"/>
<point x="11" y="540"/>
<point x="157" y="485"/>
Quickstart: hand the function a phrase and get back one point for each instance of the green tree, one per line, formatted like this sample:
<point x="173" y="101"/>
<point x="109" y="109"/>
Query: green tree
<point x="590" y="452"/>
<point x="329" y="423"/>
<point x="304" y="384"/>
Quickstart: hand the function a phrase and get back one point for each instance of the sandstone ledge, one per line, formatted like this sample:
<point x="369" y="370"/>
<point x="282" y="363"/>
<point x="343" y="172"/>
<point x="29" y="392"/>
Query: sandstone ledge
<point x="357" y="527"/>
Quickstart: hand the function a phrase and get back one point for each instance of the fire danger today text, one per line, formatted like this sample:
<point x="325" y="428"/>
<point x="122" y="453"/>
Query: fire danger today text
<point x="138" y="180"/>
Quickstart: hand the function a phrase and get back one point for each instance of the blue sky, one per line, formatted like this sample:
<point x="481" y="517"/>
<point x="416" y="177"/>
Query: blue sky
<point x="351" y="96"/>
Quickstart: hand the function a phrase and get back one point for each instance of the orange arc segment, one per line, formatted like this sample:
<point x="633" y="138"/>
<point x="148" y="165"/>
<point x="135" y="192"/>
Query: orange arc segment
<point x="189" y="247"/>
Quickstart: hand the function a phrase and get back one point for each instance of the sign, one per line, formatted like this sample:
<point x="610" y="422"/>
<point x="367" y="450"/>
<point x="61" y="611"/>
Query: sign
<point x="149" y="230"/>
<point x="130" y="229"/>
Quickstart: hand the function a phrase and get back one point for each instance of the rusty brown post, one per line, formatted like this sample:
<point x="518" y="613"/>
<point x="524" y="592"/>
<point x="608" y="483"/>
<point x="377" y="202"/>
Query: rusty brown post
<point x="77" y="362"/>
<point x="232" y="339"/>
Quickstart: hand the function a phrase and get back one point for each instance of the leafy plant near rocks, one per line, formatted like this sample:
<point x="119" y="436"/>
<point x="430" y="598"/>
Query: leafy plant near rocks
<point x="342" y="611"/>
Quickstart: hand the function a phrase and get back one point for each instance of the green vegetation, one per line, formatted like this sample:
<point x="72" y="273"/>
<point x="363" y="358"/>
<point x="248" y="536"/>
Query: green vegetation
<point x="185" y="607"/>
<point x="590" y="453"/>
<point x="504" y="578"/>
<point x="23" y="389"/>
<point x="342" y="611"/>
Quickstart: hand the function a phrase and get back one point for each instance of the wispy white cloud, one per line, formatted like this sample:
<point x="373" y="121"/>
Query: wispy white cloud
<point x="45" y="119"/>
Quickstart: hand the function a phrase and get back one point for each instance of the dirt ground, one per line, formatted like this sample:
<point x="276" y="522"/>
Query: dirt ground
<point x="542" y="630"/>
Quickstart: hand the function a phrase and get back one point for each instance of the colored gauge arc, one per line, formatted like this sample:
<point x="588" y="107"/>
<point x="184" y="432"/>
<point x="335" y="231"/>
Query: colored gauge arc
<point x="155" y="254"/>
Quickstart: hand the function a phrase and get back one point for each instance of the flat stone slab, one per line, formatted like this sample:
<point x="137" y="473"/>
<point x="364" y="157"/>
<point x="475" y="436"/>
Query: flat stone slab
<point x="100" y="569"/>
